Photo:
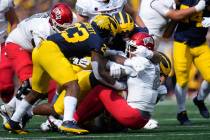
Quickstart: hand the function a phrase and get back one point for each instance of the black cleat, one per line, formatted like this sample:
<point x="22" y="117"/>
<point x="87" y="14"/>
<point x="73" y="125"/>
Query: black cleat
<point x="202" y="107"/>
<point x="14" y="127"/>
<point x="183" y="118"/>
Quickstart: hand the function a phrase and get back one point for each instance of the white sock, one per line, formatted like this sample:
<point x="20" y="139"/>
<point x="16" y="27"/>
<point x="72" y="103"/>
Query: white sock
<point x="69" y="108"/>
<point x="17" y="102"/>
<point x="21" y="110"/>
<point x="30" y="111"/>
<point x="12" y="102"/>
<point x="180" y="97"/>
<point x="203" y="91"/>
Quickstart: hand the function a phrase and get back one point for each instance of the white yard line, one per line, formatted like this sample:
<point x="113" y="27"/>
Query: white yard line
<point x="105" y="136"/>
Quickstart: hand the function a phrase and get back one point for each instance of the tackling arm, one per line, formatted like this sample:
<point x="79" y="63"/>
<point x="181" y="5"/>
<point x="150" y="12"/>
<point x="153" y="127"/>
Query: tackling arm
<point x="174" y="14"/>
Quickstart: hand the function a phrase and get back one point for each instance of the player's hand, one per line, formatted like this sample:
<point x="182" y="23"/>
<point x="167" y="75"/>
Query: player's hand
<point x="206" y="22"/>
<point x="115" y="70"/>
<point x="200" y="6"/>
<point x="82" y="62"/>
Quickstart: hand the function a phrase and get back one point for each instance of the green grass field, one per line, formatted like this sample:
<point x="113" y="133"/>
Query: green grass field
<point x="165" y="113"/>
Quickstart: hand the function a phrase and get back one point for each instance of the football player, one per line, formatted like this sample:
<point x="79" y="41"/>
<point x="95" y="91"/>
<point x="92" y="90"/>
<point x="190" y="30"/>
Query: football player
<point x="86" y="10"/>
<point x="20" y="43"/>
<point x="50" y="60"/>
<point x="190" y="47"/>
<point x="157" y="14"/>
<point x="7" y="15"/>
<point x="143" y="81"/>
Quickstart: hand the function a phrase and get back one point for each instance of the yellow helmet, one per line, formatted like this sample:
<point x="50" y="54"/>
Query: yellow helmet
<point x="126" y="22"/>
<point x="165" y="64"/>
<point x="106" y="25"/>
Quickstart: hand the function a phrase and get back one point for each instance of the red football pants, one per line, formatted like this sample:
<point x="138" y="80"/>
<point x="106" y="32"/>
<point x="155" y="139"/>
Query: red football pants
<point x="6" y="77"/>
<point x="20" y="61"/>
<point x="101" y="97"/>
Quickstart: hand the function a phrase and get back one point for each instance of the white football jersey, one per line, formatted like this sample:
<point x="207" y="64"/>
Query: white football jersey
<point x="142" y="88"/>
<point x="4" y="7"/>
<point x="31" y="31"/>
<point x="153" y="14"/>
<point x="91" y="8"/>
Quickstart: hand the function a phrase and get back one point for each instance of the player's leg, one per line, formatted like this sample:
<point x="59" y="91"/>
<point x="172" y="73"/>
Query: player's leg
<point x="202" y="62"/>
<point x="22" y="64"/>
<point x="6" y="86"/>
<point x="6" y="77"/>
<point x="182" y="63"/>
<point x="118" y="107"/>
<point x="40" y="81"/>
<point x="90" y="106"/>
<point x="60" y="69"/>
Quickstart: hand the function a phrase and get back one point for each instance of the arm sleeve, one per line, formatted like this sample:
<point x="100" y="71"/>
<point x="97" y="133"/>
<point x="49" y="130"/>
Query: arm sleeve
<point x="82" y="7"/>
<point x="161" y="6"/>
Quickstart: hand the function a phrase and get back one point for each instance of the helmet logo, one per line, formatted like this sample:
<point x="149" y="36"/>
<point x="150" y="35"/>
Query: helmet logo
<point x="57" y="12"/>
<point x="148" y="40"/>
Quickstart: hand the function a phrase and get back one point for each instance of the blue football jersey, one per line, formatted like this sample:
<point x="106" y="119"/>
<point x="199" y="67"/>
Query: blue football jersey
<point x="190" y="30"/>
<point x="78" y="40"/>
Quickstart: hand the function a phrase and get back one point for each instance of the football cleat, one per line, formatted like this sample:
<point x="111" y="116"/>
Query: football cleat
<point x="72" y="127"/>
<point x="183" y="118"/>
<point x="51" y="124"/>
<point x="6" y="112"/>
<point x="202" y="107"/>
<point x="151" y="124"/>
<point x="14" y="127"/>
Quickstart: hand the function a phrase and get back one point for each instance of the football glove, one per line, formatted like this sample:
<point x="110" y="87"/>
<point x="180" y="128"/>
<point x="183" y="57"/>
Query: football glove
<point x="82" y="62"/>
<point x="206" y="22"/>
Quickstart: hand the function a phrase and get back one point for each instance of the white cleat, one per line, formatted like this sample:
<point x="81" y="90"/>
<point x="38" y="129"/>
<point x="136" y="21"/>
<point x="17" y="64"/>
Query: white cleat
<point x="51" y="124"/>
<point x="151" y="124"/>
<point x="6" y="112"/>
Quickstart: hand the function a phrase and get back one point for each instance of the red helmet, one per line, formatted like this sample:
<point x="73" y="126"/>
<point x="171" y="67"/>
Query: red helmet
<point x="140" y="39"/>
<point x="143" y="39"/>
<point x="61" y="17"/>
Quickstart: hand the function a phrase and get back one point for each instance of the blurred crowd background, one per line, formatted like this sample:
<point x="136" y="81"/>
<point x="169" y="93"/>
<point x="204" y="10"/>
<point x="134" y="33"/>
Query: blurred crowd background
<point x="26" y="8"/>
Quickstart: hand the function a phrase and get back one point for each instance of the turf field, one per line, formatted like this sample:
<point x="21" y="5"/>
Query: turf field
<point x="165" y="112"/>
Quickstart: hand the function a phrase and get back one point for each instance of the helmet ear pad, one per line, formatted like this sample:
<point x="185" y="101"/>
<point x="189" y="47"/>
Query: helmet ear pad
<point x="61" y="16"/>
